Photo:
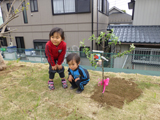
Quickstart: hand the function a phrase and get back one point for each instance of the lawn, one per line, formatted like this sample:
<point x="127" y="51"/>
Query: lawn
<point x="24" y="94"/>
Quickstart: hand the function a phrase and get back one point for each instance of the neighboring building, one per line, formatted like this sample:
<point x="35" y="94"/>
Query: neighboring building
<point x="144" y="33"/>
<point x="145" y="12"/>
<point x="117" y="16"/>
<point x="78" y="18"/>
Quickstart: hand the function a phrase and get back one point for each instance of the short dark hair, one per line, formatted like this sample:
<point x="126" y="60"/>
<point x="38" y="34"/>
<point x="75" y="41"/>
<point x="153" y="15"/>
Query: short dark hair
<point x="73" y="56"/>
<point x="58" y="30"/>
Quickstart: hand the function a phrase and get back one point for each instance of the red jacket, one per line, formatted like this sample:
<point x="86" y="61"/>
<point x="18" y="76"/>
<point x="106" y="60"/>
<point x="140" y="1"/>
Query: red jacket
<point x="55" y="52"/>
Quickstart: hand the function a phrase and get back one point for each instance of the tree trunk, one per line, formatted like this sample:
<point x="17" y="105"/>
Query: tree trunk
<point x="2" y="64"/>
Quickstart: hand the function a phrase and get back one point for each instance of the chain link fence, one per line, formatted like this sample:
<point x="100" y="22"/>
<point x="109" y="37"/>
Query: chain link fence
<point x="142" y="63"/>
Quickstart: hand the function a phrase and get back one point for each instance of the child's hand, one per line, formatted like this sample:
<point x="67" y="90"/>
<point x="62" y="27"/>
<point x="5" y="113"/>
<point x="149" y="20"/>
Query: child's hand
<point x="59" y="66"/>
<point x="76" y="79"/>
<point x="70" y="78"/>
<point x="54" y="67"/>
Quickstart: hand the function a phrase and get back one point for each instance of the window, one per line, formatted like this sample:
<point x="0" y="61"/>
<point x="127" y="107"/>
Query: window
<point x="82" y="54"/>
<point x="8" y="7"/>
<point x="39" y="45"/>
<point x="34" y="5"/>
<point x="20" y="44"/>
<point x="3" y="42"/>
<point x="103" y="6"/>
<point x="146" y="56"/>
<point x="24" y="13"/>
<point x="70" y="6"/>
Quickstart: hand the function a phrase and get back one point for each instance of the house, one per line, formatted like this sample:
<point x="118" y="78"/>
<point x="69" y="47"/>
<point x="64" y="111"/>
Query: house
<point x="78" y="18"/>
<point x="144" y="33"/>
<point x="145" y="12"/>
<point x="117" y="16"/>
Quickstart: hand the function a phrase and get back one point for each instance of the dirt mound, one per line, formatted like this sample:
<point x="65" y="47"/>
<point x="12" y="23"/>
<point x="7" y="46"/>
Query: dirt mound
<point x="117" y="92"/>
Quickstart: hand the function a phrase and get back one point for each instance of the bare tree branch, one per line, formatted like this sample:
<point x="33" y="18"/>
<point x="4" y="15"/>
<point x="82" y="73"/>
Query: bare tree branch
<point x="20" y="4"/>
<point x="6" y="22"/>
<point x="11" y="7"/>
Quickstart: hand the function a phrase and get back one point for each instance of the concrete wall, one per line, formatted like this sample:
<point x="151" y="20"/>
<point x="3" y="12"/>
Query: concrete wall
<point x="147" y="12"/>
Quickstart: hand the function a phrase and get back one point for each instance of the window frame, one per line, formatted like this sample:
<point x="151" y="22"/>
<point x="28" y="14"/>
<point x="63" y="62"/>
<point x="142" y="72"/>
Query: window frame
<point x="106" y="12"/>
<point x="76" y="12"/>
<point x="34" y="5"/>
<point x="150" y="58"/>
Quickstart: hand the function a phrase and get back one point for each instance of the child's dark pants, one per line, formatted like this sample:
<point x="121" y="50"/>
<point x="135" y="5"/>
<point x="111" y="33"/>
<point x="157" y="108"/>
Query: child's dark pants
<point x="52" y="72"/>
<point x="80" y="84"/>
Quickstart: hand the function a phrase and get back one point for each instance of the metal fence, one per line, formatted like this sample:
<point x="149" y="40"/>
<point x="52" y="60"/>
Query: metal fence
<point x="141" y="63"/>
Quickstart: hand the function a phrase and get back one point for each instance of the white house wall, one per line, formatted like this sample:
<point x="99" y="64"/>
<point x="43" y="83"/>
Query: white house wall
<point x="147" y="12"/>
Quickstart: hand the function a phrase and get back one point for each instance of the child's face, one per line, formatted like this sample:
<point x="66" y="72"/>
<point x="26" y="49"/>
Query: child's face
<point x="56" y="39"/>
<point x="73" y="65"/>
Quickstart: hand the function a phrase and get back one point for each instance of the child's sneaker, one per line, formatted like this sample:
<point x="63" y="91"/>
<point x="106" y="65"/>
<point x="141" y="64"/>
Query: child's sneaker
<point x="51" y="85"/>
<point x="64" y="84"/>
<point x="78" y="91"/>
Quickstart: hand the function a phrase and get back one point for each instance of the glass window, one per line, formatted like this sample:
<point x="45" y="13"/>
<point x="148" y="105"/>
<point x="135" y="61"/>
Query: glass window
<point x="63" y="6"/>
<point x="8" y="7"/>
<point x="58" y="6"/>
<point x="3" y="42"/>
<point x="20" y="44"/>
<point x="82" y="54"/>
<point x="103" y="6"/>
<point x="70" y="6"/>
<point x="25" y="13"/>
<point x="34" y="5"/>
<point x="39" y="45"/>
<point x="100" y="5"/>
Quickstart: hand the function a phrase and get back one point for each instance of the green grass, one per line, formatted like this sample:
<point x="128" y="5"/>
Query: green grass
<point x="146" y="85"/>
<point x="24" y="95"/>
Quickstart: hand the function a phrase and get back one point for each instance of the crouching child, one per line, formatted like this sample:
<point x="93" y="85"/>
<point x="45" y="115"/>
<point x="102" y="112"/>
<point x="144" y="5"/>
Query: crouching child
<point x="77" y="75"/>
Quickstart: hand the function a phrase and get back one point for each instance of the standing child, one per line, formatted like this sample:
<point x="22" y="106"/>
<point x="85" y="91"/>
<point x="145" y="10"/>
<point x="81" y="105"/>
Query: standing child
<point x="78" y="76"/>
<point x="55" y="51"/>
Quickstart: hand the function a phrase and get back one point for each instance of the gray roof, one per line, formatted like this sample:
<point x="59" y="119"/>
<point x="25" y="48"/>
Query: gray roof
<point x="137" y="34"/>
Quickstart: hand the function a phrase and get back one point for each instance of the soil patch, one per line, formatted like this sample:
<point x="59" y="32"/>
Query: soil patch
<point x="117" y="92"/>
<point x="10" y="69"/>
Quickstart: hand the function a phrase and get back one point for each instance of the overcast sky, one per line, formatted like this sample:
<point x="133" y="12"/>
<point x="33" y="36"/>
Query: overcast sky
<point x="121" y="4"/>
